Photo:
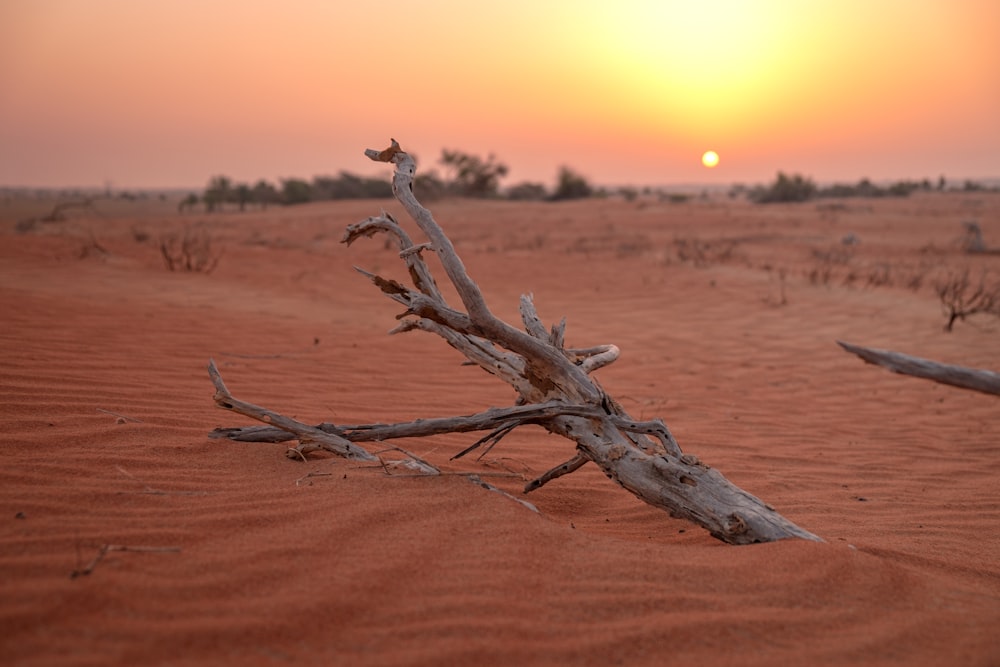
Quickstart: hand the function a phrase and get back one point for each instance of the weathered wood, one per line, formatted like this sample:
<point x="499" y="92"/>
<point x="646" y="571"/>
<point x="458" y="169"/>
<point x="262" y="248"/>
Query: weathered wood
<point x="308" y="435"/>
<point x="482" y="421"/>
<point x="976" y="379"/>
<point x="554" y="386"/>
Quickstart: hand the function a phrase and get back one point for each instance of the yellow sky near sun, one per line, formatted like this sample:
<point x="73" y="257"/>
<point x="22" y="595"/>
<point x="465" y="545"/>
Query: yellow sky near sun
<point x="147" y="93"/>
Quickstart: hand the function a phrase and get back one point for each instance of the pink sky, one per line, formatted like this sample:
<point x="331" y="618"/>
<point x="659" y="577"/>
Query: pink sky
<point x="139" y="93"/>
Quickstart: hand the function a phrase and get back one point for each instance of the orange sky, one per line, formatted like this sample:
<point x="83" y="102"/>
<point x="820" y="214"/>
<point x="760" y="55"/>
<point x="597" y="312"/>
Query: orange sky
<point x="147" y="93"/>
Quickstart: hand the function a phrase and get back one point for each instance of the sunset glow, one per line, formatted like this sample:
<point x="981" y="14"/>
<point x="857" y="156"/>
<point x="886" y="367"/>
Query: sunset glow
<point x="710" y="159"/>
<point x="167" y="94"/>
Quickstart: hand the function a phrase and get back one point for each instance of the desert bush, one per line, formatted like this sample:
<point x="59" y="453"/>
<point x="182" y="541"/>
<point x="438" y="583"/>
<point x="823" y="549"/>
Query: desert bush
<point x="265" y="194"/>
<point x="840" y="254"/>
<point x="139" y="235"/>
<point x="629" y="193"/>
<point x="785" y="188"/>
<point x="218" y="192"/>
<point x="189" y="251"/>
<point x="471" y="175"/>
<point x="429" y="186"/>
<point x="350" y="186"/>
<point x="972" y="240"/>
<point x="295" y="191"/>
<point x="570" y="185"/>
<point x="879" y="275"/>
<point x="961" y="296"/>
<point x="188" y="203"/>
<point x="527" y="192"/>
<point x="865" y="188"/>
<point x="703" y="253"/>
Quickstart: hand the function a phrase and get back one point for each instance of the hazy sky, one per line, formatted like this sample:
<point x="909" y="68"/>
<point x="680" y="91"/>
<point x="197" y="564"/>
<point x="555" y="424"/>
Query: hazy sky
<point x="145" y="93"/>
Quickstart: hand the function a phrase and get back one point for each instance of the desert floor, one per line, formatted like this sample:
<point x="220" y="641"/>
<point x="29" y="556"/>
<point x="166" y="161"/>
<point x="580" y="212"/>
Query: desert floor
<point x="727" y="316"/>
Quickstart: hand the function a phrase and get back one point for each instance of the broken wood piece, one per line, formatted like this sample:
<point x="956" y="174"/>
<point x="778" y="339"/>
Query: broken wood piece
<point x="976" y="379"/>
<point x="307" y="435"/>
<point x="489" y="487"/>
<point x="566" y="468"/>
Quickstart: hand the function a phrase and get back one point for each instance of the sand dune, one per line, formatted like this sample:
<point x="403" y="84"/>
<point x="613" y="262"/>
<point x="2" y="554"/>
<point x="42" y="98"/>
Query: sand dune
<point x="106" y="407"/>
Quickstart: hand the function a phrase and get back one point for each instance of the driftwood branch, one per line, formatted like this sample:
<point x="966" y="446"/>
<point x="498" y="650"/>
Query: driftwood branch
<point x="310" y="436"/>
<point x="976" y="379"/>
<point x="554" y="386"/>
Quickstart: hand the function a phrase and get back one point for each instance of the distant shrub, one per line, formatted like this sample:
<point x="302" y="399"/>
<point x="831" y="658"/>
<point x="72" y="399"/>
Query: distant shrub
<point x="188" y="203"/>
<point x="784" y="189"/>
<point x="570" y="185"/>
<point x="628" y="193"/>
<point x="865" y="188"/>
<point x="961" y="297"/>
<point x="527" y="192"/>
<point x="295" y="191"/>
<point x="471" y="175"/>
<point x="429" y="186"/>
<point x="191" y="251"/>
<point x="265" y="194"/>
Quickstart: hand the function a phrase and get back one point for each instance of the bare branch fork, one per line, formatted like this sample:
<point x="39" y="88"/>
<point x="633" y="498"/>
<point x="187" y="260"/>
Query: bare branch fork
<point x="553" y="384"/>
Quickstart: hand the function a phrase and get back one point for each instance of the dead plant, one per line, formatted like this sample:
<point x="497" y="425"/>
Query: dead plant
<point x="961" y="296"/>
<point x="190" y="251"/>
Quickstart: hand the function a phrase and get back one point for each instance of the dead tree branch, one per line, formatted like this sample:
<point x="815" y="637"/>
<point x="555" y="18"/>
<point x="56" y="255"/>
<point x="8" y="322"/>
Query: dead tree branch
<point x="553" y="383"/>
<point x="309" y="437"/>
<point x="985" y="381"/>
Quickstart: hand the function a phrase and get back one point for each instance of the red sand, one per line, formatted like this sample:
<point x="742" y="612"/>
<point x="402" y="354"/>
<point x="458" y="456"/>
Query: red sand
<point x="898" y="475"/>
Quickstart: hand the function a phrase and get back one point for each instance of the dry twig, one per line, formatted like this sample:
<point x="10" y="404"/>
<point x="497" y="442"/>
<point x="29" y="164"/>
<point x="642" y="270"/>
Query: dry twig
<point x="108" y="548"/>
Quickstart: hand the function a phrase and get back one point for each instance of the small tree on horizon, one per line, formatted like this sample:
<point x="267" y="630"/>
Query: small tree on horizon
<point x="471" y="175"/>
<point x="218" y="192"/>
<point x="570" y="185"/>
<point x="264" y="194"/>
<point x="785" y="188"/>
<point x="187" y="203"/>
<point x="243" y="195"/>
<point x="295" y="191"/>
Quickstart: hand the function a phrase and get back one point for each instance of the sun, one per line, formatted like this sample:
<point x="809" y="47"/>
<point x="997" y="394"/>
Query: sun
<point x="710" y="159"/>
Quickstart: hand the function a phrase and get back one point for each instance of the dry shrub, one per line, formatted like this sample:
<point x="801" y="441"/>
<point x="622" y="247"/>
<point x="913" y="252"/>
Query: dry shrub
<point x="703" y="253"/>
<point x="191" y="251"/>
<point x="961" y="296"/>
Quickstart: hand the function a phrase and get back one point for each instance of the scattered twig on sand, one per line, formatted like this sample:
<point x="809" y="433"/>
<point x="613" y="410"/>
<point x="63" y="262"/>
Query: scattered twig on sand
<point x="489" y="487"/>
<point x="107" y="548"/>
<point x="121" y="418"/>
<point x="147" y="489"/>
<point x="306" y="480"/>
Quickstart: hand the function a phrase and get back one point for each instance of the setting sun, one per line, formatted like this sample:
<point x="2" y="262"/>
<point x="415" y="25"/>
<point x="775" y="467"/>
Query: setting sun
<point x="97" y="92"/>
<point x="710" y="159"/>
